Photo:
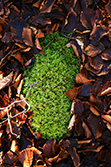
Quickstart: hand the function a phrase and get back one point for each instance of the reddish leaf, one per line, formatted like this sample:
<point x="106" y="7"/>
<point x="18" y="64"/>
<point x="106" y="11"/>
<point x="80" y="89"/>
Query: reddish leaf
<point x="27" y="36"/>
<point x="94" y="111"/>
<point x="37" y="4"/>
<point x="61" y="156"/>
<point x="19" y="57"/>
<point x="39" y="34"/>
<point x="81" y="78"/>
<point x="72" y="93"/>
<point x="107" y="118"/>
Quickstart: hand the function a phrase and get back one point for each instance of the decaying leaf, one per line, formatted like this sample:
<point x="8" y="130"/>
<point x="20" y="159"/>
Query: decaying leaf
<point x="27" y="36"/>
<point x="71" y="123"/>
<point x="6" y="80"/>
<point x="26" y="157"/>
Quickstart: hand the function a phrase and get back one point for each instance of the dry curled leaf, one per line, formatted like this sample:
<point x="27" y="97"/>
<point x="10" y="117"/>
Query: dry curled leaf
<point x="6" y="81"/>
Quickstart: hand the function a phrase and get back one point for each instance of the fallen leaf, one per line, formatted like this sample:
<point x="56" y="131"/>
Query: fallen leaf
<point x="72" y="93"/>
<point x="6" y="81"/>
<point x="26" y="157"/>
<point x="107" y="6"/>
<point x="27" y="36"/>
<point x="81" y="78"/>
<point x="71" y="123"/>
<point x="47" y="7"/>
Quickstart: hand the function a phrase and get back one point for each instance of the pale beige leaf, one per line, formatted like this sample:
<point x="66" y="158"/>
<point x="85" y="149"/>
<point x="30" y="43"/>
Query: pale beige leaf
<point x="6" y="80"/>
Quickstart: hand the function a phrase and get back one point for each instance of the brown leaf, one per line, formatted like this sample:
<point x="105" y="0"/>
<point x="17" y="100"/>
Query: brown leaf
<point x="96" y="63"/>
<point x="72" y="151"/>
<point x="6" y="81"/>
<point x="107" y="118"/>
<point x="104" y="155"/>
<point x="61" y="156"/>
<point x="87" y="131"/>
<point x="28" y="62"/>
<point x="26" y="157"/>
<point x="94" y="111"/>
<point x="20" y="86"/>
<point x="27" y="36"/>
<point x="14" y="147"/>
<point x="88" y="17"/>
<point x="98" y="104"/>
<point x="17" y="81"/>
<point x="85" y="90"/>
<point x="47" y="7"/>
<point x="50" y="148"/>
<point x="2" y="113"/>
<point x="98" y="32"/>
<point x="39" y="34"/>
<point x="72" y="93"/>
<point x="77" y="49"/>
<point x="74" y="156"/>
<point x="19" y="57"/>
<point x="84" y="141"/>
<point x="79" y="107"/>
<point x="36" y="151"/>
<point x="81" y="78"/>
<point x="97" y="126"/>
<point x="15" y="127"/>
<point x="37" y="4"/>
<point x="96" y="88"/>
<point x="106" y="55"/>
<point x="106" y="89"/>
<point x="17" y="29"/>
<point x="108" y="7"/>
<point x="93" y="51"/>
<point x="9" y="158"/>
<point x="104" y="71"/>
<point x="37" y="43"/>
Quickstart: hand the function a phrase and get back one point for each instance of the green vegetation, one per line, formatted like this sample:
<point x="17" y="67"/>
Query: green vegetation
<point x="54" y="71"/>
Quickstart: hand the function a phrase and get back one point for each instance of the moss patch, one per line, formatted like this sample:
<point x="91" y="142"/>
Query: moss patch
<point x="55" y="72"/>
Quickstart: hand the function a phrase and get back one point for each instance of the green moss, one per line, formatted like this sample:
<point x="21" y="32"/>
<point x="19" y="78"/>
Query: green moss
<point x="55" y="72"/>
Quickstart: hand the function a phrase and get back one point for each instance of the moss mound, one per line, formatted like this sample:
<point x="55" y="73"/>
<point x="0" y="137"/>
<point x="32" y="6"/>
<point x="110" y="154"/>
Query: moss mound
<point x="54" y="71"/>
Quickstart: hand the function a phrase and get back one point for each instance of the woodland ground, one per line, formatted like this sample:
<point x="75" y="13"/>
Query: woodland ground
<point x="54" y="71"/>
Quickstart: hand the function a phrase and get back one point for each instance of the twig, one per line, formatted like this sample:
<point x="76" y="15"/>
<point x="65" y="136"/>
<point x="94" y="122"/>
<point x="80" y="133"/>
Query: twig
<point x="10" y="106"/>
<point x="10" y="127"/>
<point x="68" y="37"/>
<point x="32" y="85"/>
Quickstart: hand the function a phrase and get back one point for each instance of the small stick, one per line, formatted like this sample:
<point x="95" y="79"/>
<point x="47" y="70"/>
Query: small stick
<point x="10" y="106"/>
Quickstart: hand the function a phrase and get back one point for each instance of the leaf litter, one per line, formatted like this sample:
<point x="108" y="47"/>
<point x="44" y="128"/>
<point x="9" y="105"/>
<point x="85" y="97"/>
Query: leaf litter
<point x="22" y="23"/>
